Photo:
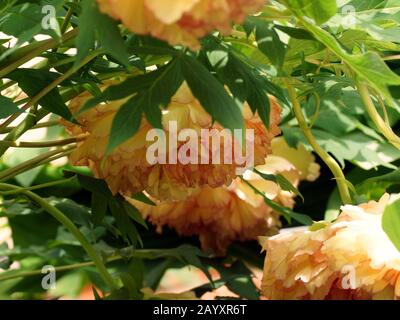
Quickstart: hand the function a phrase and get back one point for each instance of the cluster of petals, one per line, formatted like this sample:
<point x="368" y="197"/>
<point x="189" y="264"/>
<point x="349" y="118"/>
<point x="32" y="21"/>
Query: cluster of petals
<point x="349" y="259"/>
<point x="127" y="169"/>
<point x="181" y="22"/>
<point x="221" y="215"/>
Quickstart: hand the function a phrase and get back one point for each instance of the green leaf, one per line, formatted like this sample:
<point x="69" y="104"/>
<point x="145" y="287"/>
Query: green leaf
<point x="289" y="214"/>
<point x="111" y="41"/>
<point x="23" y="217"/>
<point x="368" y="66"/>
<point x="356" y="147"/>
<point x="86" y="38"/>
<point x="150" y="101"/>
<point x="99" y="208"/>
<point x="235" y="275"/>
<point x="96" y="294"/>
<point x="136" y="270"/>
<point x="7" y="107"/>
<point x="286" y="212"/>
<point x="259" y="100"/>
<point x="269" y="43"/>
<point x="70" y="285"/>
<point x="212" y="94"/>
<point x="281" y="181"/>
<point x="74" y="211"/>
<point x="126" y="122"/>
<point x="161" y="91"/>
<point x="122" y="211"/>
<point x="296" y="33"/>
<point x="391" y="223"/>
<point x="319" y="10"/>
<point x="238" y="278"/>
<point x="6" y="4"/>
<point x="93" y="26"/>
<point x="245" y="83"/>
<point x="124" y="224"/>
<point x="142" y="197"/>
<point x="131" y="286"/>
<point x="190" y="255"/>
<point x="379" y="183"/>
<point x="32" y="81"/>
<point x="156" y="270"/>
<point x="185" y="253"/>
<point x="124" y="89"/>
<point x="134" y="214"/>
<point x="94" y="185"/>
<point x="24" y="21"/>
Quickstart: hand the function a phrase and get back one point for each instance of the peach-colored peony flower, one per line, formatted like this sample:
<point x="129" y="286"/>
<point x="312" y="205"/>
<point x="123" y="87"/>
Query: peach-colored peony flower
<point x="127" y="169"/>
<point x="351" y="258"/>
<point x="221" y="215"/>
<point x="180" y="21"/>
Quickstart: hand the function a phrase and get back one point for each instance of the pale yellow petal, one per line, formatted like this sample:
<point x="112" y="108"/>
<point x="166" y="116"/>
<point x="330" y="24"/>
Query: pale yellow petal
<point x="170" y="11"/>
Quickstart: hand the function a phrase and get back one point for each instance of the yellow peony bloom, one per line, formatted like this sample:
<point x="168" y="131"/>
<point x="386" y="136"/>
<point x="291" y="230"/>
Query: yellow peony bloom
<point x="127" y="169"/>
<point x="352" y="258"/>
<point x="221" y="215"/>
<point x="303" y="160"/>
<point x="180" y="21"/>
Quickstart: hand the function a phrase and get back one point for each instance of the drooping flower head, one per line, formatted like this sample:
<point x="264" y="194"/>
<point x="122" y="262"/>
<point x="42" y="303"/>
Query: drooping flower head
<point x="351" y="258"/>
<point x="127" y="169"/>
<point x="180" y="21"/>
<point x="225" y="214"/>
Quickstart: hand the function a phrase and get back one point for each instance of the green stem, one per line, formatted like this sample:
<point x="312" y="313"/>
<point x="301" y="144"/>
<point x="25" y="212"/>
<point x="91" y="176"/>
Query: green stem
<point x="24" y="126"/>
<point x="29" y="122"/>
<point x="62" y="62"/>
<point x="24" y="274"/>
<point x="68" y="17"/>
<point x="67" y="223"/>
<point x="37" y="187"/>
<point x="45" y="144"/>
<point x="32" y="163"/>
<point x="121" y="254"/>
<point x="34" y="100"/>
<point x="328" y="160"/>
<point x="57" y="156"/>
<point x="7" y="85"/>
<point x="37" y="49"/>
<point x="375" y="116"/>
<point x="38" y="126"/>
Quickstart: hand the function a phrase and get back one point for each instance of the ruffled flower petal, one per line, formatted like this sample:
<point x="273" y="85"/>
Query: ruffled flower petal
<point x="127" y="169"/>
<point x="180" y="21"/>
<point x="225" y="214"/>
<point x="351" y="258"/>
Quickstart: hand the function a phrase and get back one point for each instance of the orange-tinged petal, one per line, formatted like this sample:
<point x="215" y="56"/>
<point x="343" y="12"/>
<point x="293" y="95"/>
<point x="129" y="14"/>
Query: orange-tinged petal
<point x="131" y="12"/>
<point x="352" y="258"/>
<point x="302" y="159"/>
<point x="127" y="169"/>
<point x="224" y="214"/>
<point x="181" y="22"/>
<point x="170" y="12"/>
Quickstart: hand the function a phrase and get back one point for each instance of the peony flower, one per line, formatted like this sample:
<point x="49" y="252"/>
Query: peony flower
<point x="225" y="214"/>
<point x="180" y="21"/>
<point x="351" y="258"/>
<point x="127" y="169"/>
